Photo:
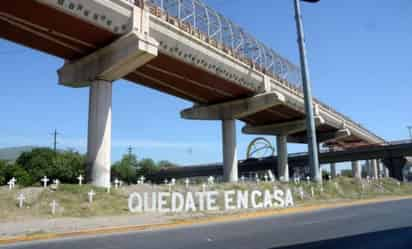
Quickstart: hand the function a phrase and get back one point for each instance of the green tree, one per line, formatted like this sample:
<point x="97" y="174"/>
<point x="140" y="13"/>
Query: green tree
<point x="165" y="164"/>
<point x="126" y="168"/>
<point x="65" y="165"/>
<point x="68" y="166"/>
<point x="3" y="172"/>
<point x="22" y="176"/>
<point x="38" y="163"/>
<point x="146" y="167"/>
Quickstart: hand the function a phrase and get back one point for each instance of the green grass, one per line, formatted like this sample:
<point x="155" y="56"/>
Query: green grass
<point x="73" y="199"/>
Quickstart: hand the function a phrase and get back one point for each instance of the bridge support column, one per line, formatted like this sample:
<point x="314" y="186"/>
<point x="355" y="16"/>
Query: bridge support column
<point x="99" y="133"/>
<point x="368" y="165"/>
<point x="374" y="169"/>
<point x="395" y="166"/>
<point x="333" y="170"/>
<point x="283" y="166"/>
<point x="385" y="171"/>
<point x="230" y="167"/>
<point x="356" y="170"/>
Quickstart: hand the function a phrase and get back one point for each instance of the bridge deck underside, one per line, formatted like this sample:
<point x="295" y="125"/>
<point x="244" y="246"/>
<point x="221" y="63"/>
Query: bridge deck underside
<point x="42" y="28"/>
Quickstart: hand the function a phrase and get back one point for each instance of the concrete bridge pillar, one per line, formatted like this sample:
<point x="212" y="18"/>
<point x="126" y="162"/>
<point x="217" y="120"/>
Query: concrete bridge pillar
<point x="385" y="171"/>
<point x="230" y="167"/>
<point x="333" y="170"/>
<point x="395" y="166"/>
<point x="283" y="166"/>
<point x="368" y="166"/>
<point x="374" y="169"/>
<point x="356" y="170"/>
<point x="380" y="168"/>
<point x="99" y="133"/>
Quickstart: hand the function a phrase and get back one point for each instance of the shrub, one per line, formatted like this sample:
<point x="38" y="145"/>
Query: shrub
<point x="65" y="166"/>
<point x="2" y="173"/>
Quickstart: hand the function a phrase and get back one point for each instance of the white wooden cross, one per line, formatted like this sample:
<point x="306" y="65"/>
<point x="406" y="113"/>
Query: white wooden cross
<point x="271" y="176"/>
<point x="45" y="180"/>
<point x="142" y="179"/>
<point x="165" y="181"/>
<point x="242" y="179"/>
<point x="173" y="181"/>
<point x="203" y="187"/>
<point x="210" y="180"/>
<point x="301" y="193"/>
<point x="170" y="187"/>
<point x="56" y="182"/>
<point x="12" y="183"/>
<point x="91" y="194"/>
<point x="80" y="179"/>
<point x="53" y="206"/>
<point x="21" y="198"/>
<point x="257" y="178"/>
<point x="296" y="180"/>
<point x="187" y="182"/>
<point x="116" y="183"/>
<point x="308" y="179"/>
<point x="266" y="177"/>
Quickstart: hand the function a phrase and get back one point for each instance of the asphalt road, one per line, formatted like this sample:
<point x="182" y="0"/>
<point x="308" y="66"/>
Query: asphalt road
<point x="384" y="225"/>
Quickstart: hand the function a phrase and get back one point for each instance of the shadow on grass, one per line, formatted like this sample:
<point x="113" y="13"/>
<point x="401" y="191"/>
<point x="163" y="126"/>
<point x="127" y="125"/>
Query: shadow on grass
<point x="390" y="239"/>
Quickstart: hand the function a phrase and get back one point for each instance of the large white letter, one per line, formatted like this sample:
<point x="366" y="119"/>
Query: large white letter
<point x="267" y="199"/>
<point x="177" y="198"/>
<point x="162" y="202"/>
<point x="190" y="203"/>
<point x="146" y="202"/>
<point x="134" y="208"/>
<point x="211" y="197"/>
<point x="242" y="199"/>
<point x="228" y="195"/>
<point x="255" y="194"/>
<point x="289" y="199"/>
<point x="280" y="203"/>
<point x="200" y="196"/>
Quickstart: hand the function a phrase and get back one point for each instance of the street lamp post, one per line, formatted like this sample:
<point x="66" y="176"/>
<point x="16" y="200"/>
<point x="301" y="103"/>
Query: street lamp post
<point x="310" y="122"/>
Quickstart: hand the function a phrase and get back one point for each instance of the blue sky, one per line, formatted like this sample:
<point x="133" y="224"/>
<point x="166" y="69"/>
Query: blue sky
<point x="359" y="55"/>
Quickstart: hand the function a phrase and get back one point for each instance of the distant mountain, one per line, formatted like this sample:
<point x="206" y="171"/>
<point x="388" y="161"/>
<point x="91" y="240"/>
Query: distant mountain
<point x="12" y="153"/>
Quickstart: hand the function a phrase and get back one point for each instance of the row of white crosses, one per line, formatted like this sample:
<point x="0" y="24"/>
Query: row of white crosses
<point x="56" y="182"/>
<point x="21" y="198"/>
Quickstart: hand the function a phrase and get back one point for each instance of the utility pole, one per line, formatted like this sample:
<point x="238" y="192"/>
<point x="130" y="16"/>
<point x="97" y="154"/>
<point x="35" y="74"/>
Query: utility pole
<point x="130" y="151"/>
<point x="55" y="134"/>
<point x="307" y="92"/>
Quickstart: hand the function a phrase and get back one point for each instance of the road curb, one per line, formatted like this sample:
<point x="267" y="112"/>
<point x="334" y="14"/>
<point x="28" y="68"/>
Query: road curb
<point x="188" y="222"/>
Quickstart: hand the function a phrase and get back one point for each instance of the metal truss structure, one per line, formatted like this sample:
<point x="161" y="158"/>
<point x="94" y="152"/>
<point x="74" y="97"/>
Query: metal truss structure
<point x="200" y="19"/>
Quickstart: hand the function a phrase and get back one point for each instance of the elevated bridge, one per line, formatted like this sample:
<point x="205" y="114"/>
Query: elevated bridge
<point x="180" y="47"/>
<point x="393" y="155"/>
